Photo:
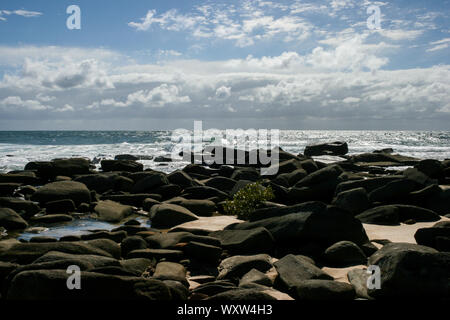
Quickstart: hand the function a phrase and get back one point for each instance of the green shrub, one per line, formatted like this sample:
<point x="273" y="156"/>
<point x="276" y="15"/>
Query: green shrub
<point x="246" y="200"/>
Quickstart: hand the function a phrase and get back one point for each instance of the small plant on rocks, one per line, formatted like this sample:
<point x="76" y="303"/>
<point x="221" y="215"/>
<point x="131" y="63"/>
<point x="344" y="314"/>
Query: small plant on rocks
<point x="246" y="200"/>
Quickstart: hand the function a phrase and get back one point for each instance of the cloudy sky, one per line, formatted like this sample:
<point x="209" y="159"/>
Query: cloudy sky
<point x="148" y="65"/>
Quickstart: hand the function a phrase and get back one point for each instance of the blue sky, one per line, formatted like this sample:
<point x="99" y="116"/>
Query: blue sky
<point x="286" y="64"/>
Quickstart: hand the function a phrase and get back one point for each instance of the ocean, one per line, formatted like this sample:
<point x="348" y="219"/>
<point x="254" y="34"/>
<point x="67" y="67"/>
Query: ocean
<point x="17" y="148"/>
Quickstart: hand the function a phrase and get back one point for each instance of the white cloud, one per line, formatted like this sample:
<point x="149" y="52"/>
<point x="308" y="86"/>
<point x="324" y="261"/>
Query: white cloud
<point x="244" y="26"/>
<point x="15" y="101"/>
<point x="439" y="45"/>
<point x="223" y="93"/>
<point x="400" y="34"/>
<point x="21" y="12"/>
<point x="326" y="82"/>
<point x="67" y="107"/>
<point x="351" y="100"/>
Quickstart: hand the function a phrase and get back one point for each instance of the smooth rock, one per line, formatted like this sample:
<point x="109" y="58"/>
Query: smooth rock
<point x="112" y="211"/>
<point x="409" y="270"/>
<point x="235" y="267"/>
<point x="10" y="220"/>
<point x="168" y="215"/>
<point x="61" y="190"/>
<point x="344" y="253"/>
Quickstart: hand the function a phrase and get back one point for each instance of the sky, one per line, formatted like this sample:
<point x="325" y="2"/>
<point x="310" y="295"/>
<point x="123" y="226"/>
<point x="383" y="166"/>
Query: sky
<point x="155" y="65"/>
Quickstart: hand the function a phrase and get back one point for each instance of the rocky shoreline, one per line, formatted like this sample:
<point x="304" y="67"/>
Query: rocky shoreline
<point x="311" y="242"/>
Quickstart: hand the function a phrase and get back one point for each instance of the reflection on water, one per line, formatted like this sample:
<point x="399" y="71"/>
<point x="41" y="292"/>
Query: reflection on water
<point x="75" y="227"/>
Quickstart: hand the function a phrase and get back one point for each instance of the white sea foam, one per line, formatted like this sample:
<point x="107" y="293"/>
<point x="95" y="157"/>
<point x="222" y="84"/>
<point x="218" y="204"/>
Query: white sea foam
<point x="14" y="156"/>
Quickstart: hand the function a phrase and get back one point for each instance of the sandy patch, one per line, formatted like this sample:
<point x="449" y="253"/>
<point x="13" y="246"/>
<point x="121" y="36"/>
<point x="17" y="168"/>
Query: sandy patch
<point x="401" y="233"/>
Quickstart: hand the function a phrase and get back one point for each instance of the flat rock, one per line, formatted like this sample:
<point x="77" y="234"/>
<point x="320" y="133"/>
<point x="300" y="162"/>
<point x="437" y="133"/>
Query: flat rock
<point x="171" y="271"/>
<point x="52" y="218"/>
<point x="209" y="224"/>
<point x="95" y="286"/>
<point x="112" y="211"/>
<point x="158" y="254"/>
<point x="324" y="290"/>
<point x="203" y="252"/>
<point x="169" y="215"/>
<point x="121" y="165"/>
<point x="237" y="266"/>
<point x="61" y="190"/>
<point x="292" y="270"/>
<point x="258" y="240"/>
<point x="256" y="276"/>
<point x="28" y="252"/>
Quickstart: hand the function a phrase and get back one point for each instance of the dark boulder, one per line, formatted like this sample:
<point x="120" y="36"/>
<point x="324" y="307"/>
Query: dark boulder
<point x="203" y="252"/>
<point x="236" y="266"/>
<point x="204" y="208"/>
<point x="394" y="214"/>
<point x="60" y="167"/>
<point x="324" y="290"/>
<point x="214" y="287"/>
<point x="169" y="215"/>
<point x="344" y="254"/>
<point x="324" y="228"/>
<point x="22" y="178"/>
<point x="203" y="192"/>
<point x="369" y="184"/>
<point x="181" y="178"/>
<point x="51" y="218"/>
<point x="95" y="286"/>
<point x="323" y="175"/>
<point x="27" y="252"/>
<point x="430" y="167"/>
<point x="293" y="270"/>
<point x="354" y="201"/>
<point x="382" y="215"/>
<point x="10" y="220"/>
<point x="393" y="191"/>
<point x="132" y="243"/>
<point x="150" y="182"/>
<point x="8" y="188"/>
<point x="157" y="254"/>
<point x="335" y="148"/>
<point x="264" y="213"/>
<point x="171" y="239"/>
<point x="258" y="240"/>
<point x="171" y="271"/>
<point x="100" y="182"/>
<point x="221" y="183"/>
<point x="60" y="206"/>
<point x="121" y="165"/>
<point x="255" y="276"/>
<point x="136" y="200"/>
<point x="409" y="270"/>
<point x="75" y="191"/>
<point x="112" y="211"/>
<point x="434" y="236"/>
